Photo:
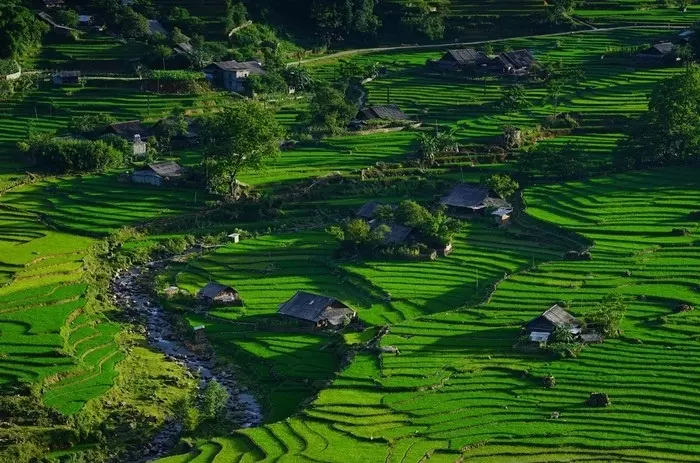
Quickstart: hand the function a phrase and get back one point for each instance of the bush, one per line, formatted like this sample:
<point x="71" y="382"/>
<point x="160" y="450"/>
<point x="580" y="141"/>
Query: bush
<point x="549" y="381"/>
<point x="90" y="123"/>
<point x="598" y="399"/>
<point x="680" y="232"/>
<point x="214" y="400"/>
<point x="607" y="315"/>
<point x="64" y="156"/>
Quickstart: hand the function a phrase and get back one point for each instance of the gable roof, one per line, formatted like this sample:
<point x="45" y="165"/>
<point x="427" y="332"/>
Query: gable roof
<point x="315" y="308"/>
<point x="558" y="316"/>
<point x="517" y="59"/>
<point x="128" y="129"/>
<point x="466" y="195"/>
<point x="398" y="233"/>
<point x="465" y="56"/>
<point x="167" y="169"/>
<point x="213" y="289"/>
<point x="253" y="67"/>
<point x="184" y="48"/>
<point x="662" y="49"/>
<point x="368" y="210"/>
<point x="388" y="111"/>
<point x="155" y="27"/>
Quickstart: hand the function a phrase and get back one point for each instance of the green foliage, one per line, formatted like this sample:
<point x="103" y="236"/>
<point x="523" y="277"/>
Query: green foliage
<point x="567" y="162"/>
<point x="504" y="185"/>
<point x="20" y="30"/>
<point x="214" y="400"/>
<point x="71" y="155"/>
<point x="329" y="112"/>
<point x="607" y="315"/>
<point x="67" y="17"/>
<point x="436" y="229"/>
<point x="514" y="99"/>
<point x="90" y="123"/>
<point x="669" y="132"/>
<point x="241" y="137"/>
<point x="430" y="145"/>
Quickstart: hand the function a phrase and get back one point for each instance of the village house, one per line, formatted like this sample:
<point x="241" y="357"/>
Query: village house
<point x="397" y="235"/>
<point x="466" y="58"/>
<point x="318" y="311"/>
<point x="218" y="294"/>
<point x="66" y="78"/>
<point x="368" y="210"/>
<point x="155" y="27"/>
<point x="556" y="317"/>
<point x="466" y="198"/>
<point x="515" y="63"/>
<point x="128" y="129"/>
<point x="232" y="75"/>
<point x="388" y="112"/>
<point x="658" y="55"/>
<point x="180" y="140"/>
<point x="158" y="173"/>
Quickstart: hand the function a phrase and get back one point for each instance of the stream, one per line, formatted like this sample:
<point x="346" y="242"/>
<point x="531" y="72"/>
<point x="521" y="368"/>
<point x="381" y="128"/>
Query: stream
<point x="129" y="294"/>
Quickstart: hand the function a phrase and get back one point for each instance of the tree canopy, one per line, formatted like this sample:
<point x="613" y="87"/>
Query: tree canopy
<point x="241" y="137"/>
<point x="20" y="30"/>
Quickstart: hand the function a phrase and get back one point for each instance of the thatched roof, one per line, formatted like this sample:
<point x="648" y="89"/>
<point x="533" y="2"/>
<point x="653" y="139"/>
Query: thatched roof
<point x="466" y="195"/>
<point x="315" y="308"/>
<point x="386" y="112"/>
<point x="213" y="289"/>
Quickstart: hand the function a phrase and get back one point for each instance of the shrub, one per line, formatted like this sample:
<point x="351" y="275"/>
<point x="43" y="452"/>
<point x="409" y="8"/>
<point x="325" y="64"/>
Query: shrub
<point x="71" y="156"/>
<point x="214" y="400"/>
<point x="607" y="316"/>
<point x="680" y="232"/>
<point x="549" y="381"/>
<point x="684" y="308"/>
<point x="598" y="399"/>
<point x="90" y="123"/>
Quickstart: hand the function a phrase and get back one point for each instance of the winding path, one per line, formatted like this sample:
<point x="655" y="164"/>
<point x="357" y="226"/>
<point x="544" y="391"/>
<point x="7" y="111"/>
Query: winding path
<point x="362" y="51"/>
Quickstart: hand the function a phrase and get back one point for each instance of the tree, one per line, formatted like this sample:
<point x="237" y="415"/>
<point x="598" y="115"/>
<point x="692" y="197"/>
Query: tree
<point x="607" y="315"/>
<point x="89" y="123"/>
<point x="502" y="184"/>
<point x="329" y="111"/>
<point x="297" y="78"/>
<point x="430" y="145"/>
<point x="161" y="53"/>
<point x="242" y="137"/>
<point x="214" y="400"/>
<point x="67" y="17"/>
<point x="567" y="162"/>
<point x="20" y="30"/>
<point x="514" y="99"/>
<point x="669" y="132"/>
<point x="555" y="89"/>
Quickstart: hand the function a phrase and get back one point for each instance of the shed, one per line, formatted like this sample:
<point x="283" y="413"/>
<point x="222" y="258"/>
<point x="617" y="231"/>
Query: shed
<point x="66" y="77"/>
<point x="462" y="59"/>
<point x="368" y="210"/>
<point x="517" y="62"/>
<point x="217" y="294"/>
<point x="158" y="173"/>
<point x="661" y="53"/>
<point x="502" y="215"/>
<point x="387" y="112"/>
<point x="466" y="198"/>
<point x="320" y="311"/>
<point x="542" y="327"/>
<point x="128" y="130"/>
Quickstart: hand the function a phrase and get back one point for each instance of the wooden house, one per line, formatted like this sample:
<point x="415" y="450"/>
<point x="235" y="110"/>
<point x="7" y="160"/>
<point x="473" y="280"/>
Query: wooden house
<point x="502" y="216"/>
<point x="66" y="78"/>
<point x="317" y="311"/>
<point x="541" y="328"/>
<point x="515" y="63"/>
<point x="466" y="198"/>
<point x="158" y="173"/>
<point x="388" y="112"/>
<point x="218" y="294"/>
<point x="466" y="58"/>
<point x="232" y="75"/>
<point x="368" y="210"/>
<point x="397" y="235"/>
<point x="128" y="129"/>
<point x="658" y="55"/>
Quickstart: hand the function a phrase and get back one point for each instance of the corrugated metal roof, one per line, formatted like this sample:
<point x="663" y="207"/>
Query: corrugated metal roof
<point x="386" y="112"/>
<point x="167" y="169"/>
<point x="558" y="316"/>
<point x="252" y="66"/>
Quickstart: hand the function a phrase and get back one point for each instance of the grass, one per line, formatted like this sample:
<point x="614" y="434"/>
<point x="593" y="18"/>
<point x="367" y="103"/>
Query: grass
<point x="458" y="388"/>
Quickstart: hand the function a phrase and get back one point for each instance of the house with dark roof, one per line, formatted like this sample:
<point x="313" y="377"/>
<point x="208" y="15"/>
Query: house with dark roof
<point x="180" y="139"/>
<point x="232" y="75"/>
<point x="316" y="310"/>
<point x="541" y="328"/>
<point x="461" y="59"/>
<point x="217" y="294"/>
<point x="657" y="55"/>
<point x="516" y="63"/>
<point x="66" y="78"/>
<point x="466" y="198"/>
<point x="128" y="130"/>
<point x="158" y="173"/>
<point x="368" y="210"/>
<point x="387" y="112"/>
<point x="398" y="234"/>
<point x="155" y="27"/>
<point x="502" y="215"/>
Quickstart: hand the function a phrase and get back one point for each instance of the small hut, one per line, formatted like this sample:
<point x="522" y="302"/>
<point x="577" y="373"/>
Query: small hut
<point x="466" y="198"/>
<point x="316" y="310"/>
<point x="217" y="294"/>
<point x="66" y="78"/>
<point x="502" y="216"/>
<point x="368" y="210"/>
<point x="158" y="173"/>
<point x="541" y="328"/>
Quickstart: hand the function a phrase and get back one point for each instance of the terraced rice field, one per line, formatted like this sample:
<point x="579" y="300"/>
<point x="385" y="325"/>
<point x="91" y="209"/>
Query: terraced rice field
<point x="458" y="388"/>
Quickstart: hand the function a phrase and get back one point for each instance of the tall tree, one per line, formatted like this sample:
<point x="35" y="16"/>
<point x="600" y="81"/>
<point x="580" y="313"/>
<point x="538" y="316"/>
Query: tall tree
<point x="242" y="137"/>
<point x="670" y="130"/>
<point x="20" y="30"/>
<point x="329" y="110"/>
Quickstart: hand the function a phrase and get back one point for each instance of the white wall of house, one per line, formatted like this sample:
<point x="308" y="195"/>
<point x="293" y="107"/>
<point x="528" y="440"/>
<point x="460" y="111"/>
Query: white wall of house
<point x="147" y="176"/>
